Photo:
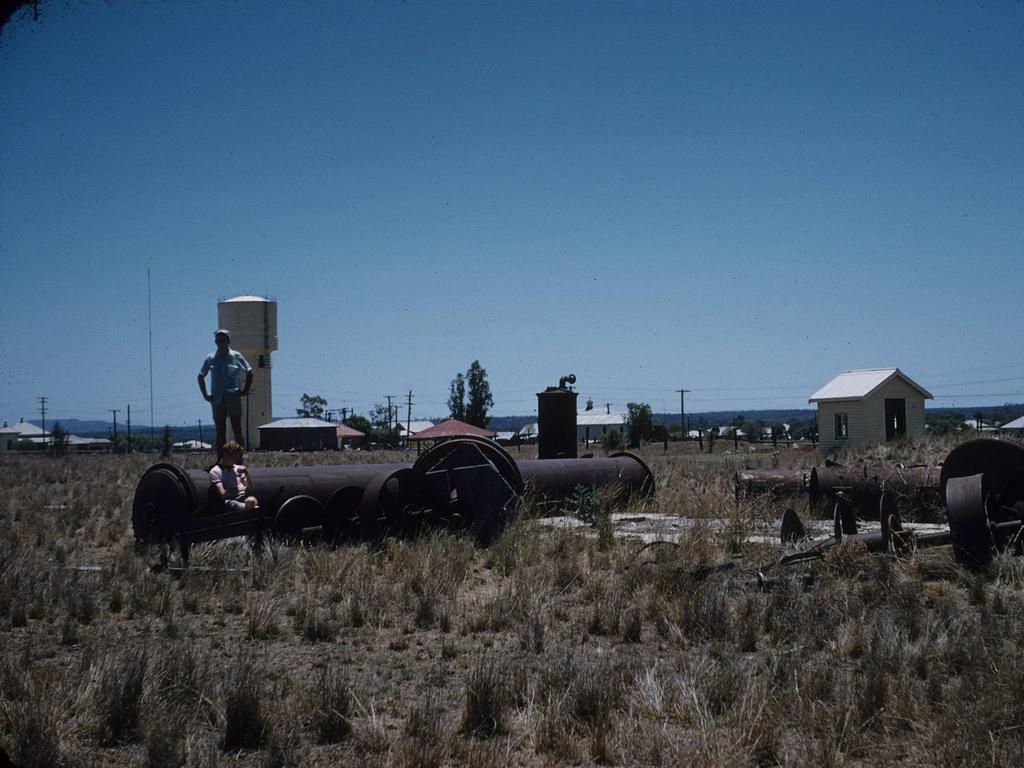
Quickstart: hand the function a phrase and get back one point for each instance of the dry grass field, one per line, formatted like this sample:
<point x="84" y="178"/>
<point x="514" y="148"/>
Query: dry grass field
<point x="551" y="647"/>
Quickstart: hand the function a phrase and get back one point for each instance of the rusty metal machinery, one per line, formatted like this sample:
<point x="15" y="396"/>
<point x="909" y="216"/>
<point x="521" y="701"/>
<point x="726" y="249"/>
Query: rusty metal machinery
<point x="464" y="483"/>
<point x="171" y="502"/>
<point x="983" y="484"/>
<point x="556" y="419"/>
<point x="863" y="487"/>
<point x="779" y="483"/>
<point x="554" y="479"/>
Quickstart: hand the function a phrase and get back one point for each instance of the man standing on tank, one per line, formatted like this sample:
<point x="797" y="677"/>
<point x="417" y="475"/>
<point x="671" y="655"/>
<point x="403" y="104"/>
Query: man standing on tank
<point x="225" y="367"/>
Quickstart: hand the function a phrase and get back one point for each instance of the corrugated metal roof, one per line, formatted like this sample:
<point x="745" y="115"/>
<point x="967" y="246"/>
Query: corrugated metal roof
<point x="452" y="428"/>
<point x="856" y="385"/>
<point x="1015" y="424"/>
<point x="415" y="426"/>
<point x="299" y="423"/>
<point x="598" y="419"/>
<point x="344" y="430"/>
<point x="27" y="429"/>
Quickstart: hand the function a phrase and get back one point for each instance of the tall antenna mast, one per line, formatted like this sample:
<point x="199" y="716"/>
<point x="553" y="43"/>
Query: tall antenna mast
<point x="149" y="305"/>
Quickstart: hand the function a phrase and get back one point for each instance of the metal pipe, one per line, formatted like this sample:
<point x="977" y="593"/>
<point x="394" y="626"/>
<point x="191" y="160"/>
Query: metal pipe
<point x="559" y="478"/>
<point x="169" y="498"/>
<point x="462" y="483"/>
<point x="863" y="486"/>
<point x="778" y="482"/>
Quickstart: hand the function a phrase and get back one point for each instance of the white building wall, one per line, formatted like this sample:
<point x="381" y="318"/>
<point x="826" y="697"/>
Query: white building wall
<point x="855" y="422"/>
<point x="866" y="419"/>
<point x="875" y="408"/>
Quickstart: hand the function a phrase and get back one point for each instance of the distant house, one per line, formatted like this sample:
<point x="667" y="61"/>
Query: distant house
<point x="9" y="437"/>
<point x="1016" y="426"/>
<point x="347" y="434"/>
<point x="36" y="439"/>
<point x="593" y="426"/>
<point x="869" y="406"/>
<point x="528" y="433"/>
<point x="300" y="434"/>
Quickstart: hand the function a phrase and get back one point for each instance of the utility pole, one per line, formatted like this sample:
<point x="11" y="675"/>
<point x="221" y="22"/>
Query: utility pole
<point x="114" y="435"/>
<point x="149" y="309"/>
<point x="344" y="415"/>
<point x="200" y="430"/>
<point x="129" y="428"/>
<point x="389" y="397"/>
<point x="408" y="417"/>
<point x="682" y="409"/>
<point x="42" y="410"/>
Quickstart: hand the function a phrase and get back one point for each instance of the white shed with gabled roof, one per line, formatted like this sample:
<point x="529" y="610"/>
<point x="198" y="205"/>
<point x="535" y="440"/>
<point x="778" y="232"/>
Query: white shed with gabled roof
<point x="871" y="405"/>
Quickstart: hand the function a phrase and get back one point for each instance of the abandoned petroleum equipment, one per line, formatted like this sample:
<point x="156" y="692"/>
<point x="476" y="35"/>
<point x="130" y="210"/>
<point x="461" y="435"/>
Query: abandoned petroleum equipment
<point x="982" y="486"/>
<point x="556" y="419"/>
<point x="465" y="483"/>
<point x="252" y="322"/>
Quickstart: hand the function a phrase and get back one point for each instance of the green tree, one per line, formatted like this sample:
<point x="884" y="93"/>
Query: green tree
<point x="752" y="430"/>
<point x="361" y="423"/>
<point x="479" y="393"/>
<point x="457" y="397"/>
<point x="639" y="423"/>
<point x="800" y="429"/>
<point x="612" y="440"/>
<point x="58" y="440"/>
<point x="944" y="423"/>
<point x="384" y="430"/>
<point x="313" y="406"/>
<point x="380" y="416"/>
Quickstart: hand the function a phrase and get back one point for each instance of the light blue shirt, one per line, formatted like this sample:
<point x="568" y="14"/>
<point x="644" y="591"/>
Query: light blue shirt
<point x="225" y="373"/>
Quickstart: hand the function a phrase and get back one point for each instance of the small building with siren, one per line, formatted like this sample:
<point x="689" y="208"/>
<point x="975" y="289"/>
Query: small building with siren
<point x="870" y="405"/>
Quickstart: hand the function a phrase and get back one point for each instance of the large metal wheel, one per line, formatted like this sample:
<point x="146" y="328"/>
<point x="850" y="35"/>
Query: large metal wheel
<point x="480" y="482"/>
<point x="893" y="535"/>
<point x="1000" y="460"/>
<point x="163" y="504"/>
<point x="298" y="514"/>
<point x="969" y="528"/>
<point x="399" y="503"/>
<point x="341" y="514"/>
<point x="468" y="450"/>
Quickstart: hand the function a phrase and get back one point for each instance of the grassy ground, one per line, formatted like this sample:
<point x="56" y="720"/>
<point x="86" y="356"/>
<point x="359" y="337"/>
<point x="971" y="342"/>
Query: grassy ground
<point x="549" y="647"/>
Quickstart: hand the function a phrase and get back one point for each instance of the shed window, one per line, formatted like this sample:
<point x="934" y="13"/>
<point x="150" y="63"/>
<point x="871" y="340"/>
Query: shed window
<point x="842" y="427"/>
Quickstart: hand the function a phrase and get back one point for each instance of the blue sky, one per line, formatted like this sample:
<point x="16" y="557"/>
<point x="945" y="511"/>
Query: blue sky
<point x="742" y="199"/>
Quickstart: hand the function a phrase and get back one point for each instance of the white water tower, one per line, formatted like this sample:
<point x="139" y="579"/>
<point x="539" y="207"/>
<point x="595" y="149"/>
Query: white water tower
<point x="252" y="322"/>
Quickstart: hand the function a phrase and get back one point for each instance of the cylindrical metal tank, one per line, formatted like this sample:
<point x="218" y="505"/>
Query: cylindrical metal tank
<point x="863" y="486"/>
<point x="252" y="322"/>
<point x="556" y="421"/>
<point x="778" y="482"/>
<point x="558" y="479"/>
<point x="169" y="497"/>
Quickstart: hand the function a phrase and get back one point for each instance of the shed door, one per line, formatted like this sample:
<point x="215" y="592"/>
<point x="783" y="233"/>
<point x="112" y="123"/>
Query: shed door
<point x="895" y="417"/>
